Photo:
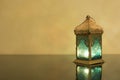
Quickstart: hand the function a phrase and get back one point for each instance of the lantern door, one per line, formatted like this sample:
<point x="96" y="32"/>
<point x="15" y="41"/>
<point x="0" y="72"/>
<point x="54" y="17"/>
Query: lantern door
<point x="82" y="47"/>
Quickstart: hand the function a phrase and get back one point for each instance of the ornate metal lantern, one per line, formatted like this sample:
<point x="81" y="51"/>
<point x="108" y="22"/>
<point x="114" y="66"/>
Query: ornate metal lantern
<point x="88" y="42"/>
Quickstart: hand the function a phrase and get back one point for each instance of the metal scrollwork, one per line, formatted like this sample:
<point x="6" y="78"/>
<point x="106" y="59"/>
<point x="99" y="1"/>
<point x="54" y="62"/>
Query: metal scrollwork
<point x="92" y="42"/>
<point x="86" y="42"/>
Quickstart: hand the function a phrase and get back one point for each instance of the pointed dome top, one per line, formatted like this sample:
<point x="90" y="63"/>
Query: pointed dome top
<point x="89" y="26"/>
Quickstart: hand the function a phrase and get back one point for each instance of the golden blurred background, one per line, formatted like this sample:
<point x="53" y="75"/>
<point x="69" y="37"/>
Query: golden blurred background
<point x="46" y="26"/>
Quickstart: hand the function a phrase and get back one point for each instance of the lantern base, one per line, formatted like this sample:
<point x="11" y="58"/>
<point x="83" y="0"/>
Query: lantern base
<point x="89" y="62"/>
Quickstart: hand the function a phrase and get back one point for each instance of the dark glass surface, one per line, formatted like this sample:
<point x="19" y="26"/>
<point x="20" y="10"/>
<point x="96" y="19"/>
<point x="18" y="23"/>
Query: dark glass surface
<point x="84" y="72"/>
<point x="38" y="67"/>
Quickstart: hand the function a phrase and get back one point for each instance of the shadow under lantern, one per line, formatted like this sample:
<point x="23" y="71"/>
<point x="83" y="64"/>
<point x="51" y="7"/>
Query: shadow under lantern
<point x="88" y="42"/>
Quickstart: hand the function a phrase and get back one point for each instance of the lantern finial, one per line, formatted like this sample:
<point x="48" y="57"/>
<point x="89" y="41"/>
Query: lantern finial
<point x="88" y="17"/>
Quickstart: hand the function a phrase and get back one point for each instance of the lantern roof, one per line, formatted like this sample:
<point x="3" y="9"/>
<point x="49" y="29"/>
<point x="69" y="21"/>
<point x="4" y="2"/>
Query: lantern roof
<point x="89" y="26"/>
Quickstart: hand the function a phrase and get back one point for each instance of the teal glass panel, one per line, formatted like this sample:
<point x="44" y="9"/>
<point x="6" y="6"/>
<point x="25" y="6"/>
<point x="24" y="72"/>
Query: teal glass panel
<point x="82" y="73"/>
<point x="96" y="47"/>
<point x="82" y="49"/>
<point x="96" y="73"/>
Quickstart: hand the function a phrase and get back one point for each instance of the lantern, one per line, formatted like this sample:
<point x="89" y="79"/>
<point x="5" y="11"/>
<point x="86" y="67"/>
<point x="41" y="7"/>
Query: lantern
<point x="91" y="72"/>
<point x="88" y="42"/>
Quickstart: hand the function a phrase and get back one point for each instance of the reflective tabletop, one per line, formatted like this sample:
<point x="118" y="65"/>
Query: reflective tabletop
<point x="51" y="67"/>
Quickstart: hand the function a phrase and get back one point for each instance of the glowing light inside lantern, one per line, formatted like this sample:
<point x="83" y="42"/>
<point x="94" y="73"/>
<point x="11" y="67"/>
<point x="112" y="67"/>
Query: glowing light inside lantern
<point x="82" y="53"/>
<point x="82" y="49"/>
<point x="96" y="52"/>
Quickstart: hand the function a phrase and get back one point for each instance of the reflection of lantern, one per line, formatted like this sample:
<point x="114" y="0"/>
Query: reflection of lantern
<point x="93" y="72"/>
<point x="88" y="42"/>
